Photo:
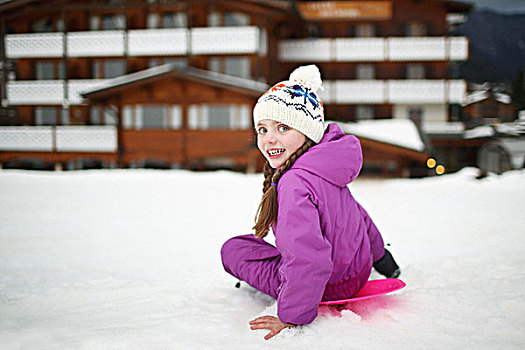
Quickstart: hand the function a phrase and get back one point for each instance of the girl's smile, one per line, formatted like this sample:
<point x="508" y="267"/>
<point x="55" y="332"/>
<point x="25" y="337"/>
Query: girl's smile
<point x="277" y="141"/>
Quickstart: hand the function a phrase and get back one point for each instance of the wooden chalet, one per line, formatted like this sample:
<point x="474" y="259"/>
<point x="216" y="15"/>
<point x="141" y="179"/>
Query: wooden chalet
<point x="166" y="113"/>
<point x="171" y="84"/>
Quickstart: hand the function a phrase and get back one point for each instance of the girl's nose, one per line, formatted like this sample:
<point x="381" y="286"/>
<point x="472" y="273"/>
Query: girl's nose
<point x="271" y="137"/>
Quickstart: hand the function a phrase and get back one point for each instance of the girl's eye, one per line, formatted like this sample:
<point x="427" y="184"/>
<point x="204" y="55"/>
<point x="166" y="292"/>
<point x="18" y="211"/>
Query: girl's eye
<point x="282" y="128"/>
<point x="262" y="130"/>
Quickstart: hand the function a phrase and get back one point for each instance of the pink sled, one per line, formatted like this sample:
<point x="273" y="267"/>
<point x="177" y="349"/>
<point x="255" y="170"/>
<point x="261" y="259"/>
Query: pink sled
<point x="371" y="289"/>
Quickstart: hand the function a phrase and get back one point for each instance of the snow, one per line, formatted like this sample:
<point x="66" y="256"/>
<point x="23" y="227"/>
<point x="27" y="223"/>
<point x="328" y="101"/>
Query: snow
<point x="129" y="259"/>
<point x="399" y="132"/>
<point x="480" y="132"/>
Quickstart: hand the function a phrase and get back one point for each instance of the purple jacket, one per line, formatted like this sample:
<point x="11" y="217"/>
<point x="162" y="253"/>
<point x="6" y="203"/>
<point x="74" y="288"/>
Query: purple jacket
<point x="326" y="239"/>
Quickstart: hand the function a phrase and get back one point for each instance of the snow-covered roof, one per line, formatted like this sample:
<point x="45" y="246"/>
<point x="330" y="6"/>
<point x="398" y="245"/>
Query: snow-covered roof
<point x="479" y="132"/>
<point x="516" y="128"/>
<point x="448" y="128"/>
<point x="398" y="132"/>
<point x="475" y="96"/>
<point x="478" y="96"/>
<point x="503" y="98"/>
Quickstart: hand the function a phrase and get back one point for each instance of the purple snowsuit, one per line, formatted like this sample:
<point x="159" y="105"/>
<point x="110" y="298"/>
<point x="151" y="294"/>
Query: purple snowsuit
<point x="325" y="241"/>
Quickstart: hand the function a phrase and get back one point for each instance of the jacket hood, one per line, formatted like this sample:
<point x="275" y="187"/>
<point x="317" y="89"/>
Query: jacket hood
<point x="337" y="158"/>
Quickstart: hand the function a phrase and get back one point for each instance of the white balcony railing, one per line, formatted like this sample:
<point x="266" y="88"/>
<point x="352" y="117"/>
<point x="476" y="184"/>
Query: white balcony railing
<point x="359" y="49"/>
<point x="148" y="42"/>
<point x="48" y="92"/>
<point x="416" y="91"/>
<point x="34" y="45"/>
<point x="51" y="92"/>
<point x="374" y="49"/>
<point x="224" y="40"/>
<point x="86" y="139"/>
<point x="318" y="50"/>
<point x="96" y="44"/>
<point x="59" y="139"/>
<point x="360" y="91"/>
<point x="393" y="91"/>
<point x="457" y="91"/>
<point x="26" y="138"/>
<point x="37" y="92"/>
<point x="418" y="49"/>
<point x="158" y="42"/>
<point x="458" y="48"/>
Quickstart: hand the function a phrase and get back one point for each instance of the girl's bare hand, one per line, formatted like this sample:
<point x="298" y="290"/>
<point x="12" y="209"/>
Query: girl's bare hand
<point x="269" y="322"/>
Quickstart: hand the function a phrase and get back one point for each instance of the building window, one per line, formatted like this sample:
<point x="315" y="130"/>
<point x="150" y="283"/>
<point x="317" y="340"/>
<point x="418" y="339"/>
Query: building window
<point x="365" y="71"/>
<point x="415" y="71"/>
<point x="110" y="116"/>
<point x="152" y="117"/>
<point x="236" y="19"/>
<point x="214" y="19"/>
<point x="314" y="31"/>
<point x="364" y="112"/>
<point x="416" y="29"/>
<point x="44" y="25"/>
<point x="174" y="20"/>
<point x="228" y="19"/>
<point x="113" y="22"/>
<point x="114" y="68"/>
<point x="94" y="115"/>
<point x="365" y="30"/>
<point x="45" y="116"/>
<point x="152" y="20"/>
<point x="45" y="70"/>
<point x="108" y="68"/>
<point x="415" y="114"/>
<point x="64" y="116"/>
<point x="207" y="117"/>
<point x="107" y="22"/>
<point x="235" y="66"/>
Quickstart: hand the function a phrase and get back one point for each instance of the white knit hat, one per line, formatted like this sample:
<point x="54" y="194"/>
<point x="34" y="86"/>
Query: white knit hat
<point x="295" y="102"/>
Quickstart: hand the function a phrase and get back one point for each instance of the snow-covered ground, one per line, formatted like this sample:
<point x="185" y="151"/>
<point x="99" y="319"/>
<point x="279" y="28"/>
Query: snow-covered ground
<point x="129" y="259"/>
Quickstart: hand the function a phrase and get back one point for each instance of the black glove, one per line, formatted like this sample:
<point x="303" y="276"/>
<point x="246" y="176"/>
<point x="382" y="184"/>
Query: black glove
<point x="387" y="266"/>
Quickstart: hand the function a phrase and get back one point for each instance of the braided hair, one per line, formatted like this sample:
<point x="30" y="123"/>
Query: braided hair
<point x="268" y="208"/>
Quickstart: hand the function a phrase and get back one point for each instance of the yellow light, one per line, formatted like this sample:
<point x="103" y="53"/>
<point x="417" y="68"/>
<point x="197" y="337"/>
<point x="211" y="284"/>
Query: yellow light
<point x="431" y="162"/>
<point x="440" y="170"/>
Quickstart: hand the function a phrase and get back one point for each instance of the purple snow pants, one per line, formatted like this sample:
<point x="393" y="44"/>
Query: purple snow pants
<point x="253" y="261"/>
<point x="257" y="263"/>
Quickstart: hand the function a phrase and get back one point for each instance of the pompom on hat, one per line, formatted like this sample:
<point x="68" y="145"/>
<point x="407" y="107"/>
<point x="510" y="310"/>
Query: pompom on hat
<point x="295" y="102"/>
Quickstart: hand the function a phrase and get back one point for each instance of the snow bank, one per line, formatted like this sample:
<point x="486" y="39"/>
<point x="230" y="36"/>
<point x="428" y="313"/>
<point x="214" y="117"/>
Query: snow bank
<point x="129" y="259"/>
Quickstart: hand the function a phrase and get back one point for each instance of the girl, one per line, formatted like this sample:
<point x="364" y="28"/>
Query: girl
<point x="326" y="243"/>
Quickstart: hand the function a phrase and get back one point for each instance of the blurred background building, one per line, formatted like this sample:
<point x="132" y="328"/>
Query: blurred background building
<point x="171" y="84"/>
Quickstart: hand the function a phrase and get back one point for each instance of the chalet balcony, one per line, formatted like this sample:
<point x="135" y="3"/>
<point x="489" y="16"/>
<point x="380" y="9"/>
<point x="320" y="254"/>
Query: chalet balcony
<point x="374" y="49"/>
<point x="83" y="139"/>
<point x="393" y="91"/>
<point x="224" y="40"/>
<point x="428" y="91"/>
<point x="36" y="92"/>
<point x="34" y="45"/>
<point x="316" y="50"/>
<point x="158" y="42"/>
<point x="96" y="44"/>
<point x="148" y="42"/>
<point x="48" y="92"/>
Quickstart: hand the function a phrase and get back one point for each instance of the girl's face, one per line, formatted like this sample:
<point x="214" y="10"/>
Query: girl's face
<point x="277" y="141"/>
